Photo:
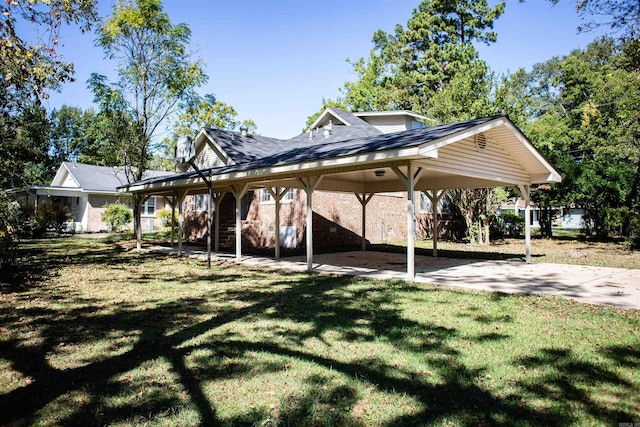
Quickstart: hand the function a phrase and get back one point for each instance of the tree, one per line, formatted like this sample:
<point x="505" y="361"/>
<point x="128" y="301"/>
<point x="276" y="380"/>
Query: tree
<point x="155" y="75"/>
<point x="29" y="67"/>
<point x="422" y="59"/>
<point x="620" y="16"/>
<point x="205" y="111"/>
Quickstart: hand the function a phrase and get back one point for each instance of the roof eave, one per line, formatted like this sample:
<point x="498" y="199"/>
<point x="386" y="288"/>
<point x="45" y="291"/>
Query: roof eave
<point x="294" y="168"/>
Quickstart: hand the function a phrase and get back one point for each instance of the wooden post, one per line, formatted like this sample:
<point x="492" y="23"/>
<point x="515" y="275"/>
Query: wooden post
<point x="277" y="194"/>
<point x="239" y="192"/>
<point x="364" y="199"/>
<point x="435" y="198"/>
<point x="410" y="180"/>
<point x="309" y="185"/>
<point x="525" y="191"/>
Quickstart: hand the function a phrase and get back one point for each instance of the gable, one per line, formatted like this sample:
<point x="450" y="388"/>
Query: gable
<point x="209" y="156"/>
<point x="64" y="178"/>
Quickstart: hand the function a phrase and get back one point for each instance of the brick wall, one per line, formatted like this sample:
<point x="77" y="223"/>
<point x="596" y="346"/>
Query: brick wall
<point x="337" y="220"/>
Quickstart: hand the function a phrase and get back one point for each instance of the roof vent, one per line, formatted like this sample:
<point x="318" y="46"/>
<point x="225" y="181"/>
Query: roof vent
<point x="481" y="141"/>
<point x="244" y="131"/>
<point x="328" y="130"/>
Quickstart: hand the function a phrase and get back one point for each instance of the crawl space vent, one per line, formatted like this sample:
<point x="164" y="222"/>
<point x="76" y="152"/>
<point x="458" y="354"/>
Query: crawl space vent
<point x="481" y="141"/>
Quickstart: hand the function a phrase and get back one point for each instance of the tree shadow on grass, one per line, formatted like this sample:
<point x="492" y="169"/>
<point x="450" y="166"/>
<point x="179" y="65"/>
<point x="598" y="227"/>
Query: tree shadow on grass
<point x="199" y="344"/>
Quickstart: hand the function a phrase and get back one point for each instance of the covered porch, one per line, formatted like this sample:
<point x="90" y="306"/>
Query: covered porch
<point x="482" y="153"/>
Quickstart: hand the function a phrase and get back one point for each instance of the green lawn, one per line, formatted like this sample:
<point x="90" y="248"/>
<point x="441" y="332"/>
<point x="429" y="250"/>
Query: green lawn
<point x="93" y="334"/>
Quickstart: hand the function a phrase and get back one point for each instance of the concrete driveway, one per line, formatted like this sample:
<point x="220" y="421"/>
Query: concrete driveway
<point x="616" y="287"/>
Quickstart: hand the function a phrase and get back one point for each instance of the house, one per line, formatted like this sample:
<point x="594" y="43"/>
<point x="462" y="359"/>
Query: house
<point x="566" y="217"/>
<point x="333" y="184"/>
<point x="84" y="190"/>
<point x="337" y="216"/>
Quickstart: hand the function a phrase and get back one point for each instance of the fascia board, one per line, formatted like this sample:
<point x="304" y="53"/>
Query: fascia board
<point x="63" y="168"/>
<point x="390" y="113"/>
<point x="554" y="175"/>
<point x="292" y="168"/>
<point x="322" y="116"/>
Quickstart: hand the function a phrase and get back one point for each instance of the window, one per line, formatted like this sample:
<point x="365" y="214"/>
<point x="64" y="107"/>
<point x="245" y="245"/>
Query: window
<point x="265" y="196"/>
<point x="149" y="206"/>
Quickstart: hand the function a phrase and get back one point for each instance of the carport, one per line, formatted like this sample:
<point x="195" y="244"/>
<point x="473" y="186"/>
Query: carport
<point x="480" y="153"/>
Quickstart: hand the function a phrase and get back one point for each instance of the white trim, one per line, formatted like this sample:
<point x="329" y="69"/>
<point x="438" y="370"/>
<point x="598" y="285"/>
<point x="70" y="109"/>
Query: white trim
<point x="308" y="166"/>
<point x="553" y="173"/>
<point x="331" y="111"/>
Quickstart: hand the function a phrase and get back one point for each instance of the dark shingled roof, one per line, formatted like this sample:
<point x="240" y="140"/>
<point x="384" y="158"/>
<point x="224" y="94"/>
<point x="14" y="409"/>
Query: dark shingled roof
<point x="320" y="148"/>
<point x="103" y="178"/>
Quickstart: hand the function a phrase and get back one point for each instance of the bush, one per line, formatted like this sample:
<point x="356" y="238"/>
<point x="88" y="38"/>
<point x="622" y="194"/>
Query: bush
<point x="633" y="241"/>
<point x="117" y="216"/>
<point x="10" y="220"/>
<point x="508" y="224"/>
<point x="165" y="217"/>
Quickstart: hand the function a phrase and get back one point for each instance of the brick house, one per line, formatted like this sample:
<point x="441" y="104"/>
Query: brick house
<point x="351" y="178"/>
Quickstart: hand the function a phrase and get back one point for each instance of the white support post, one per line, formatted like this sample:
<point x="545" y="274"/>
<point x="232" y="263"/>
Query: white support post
<point x="174" y="197"/>
<point x="309" y="185"/>
<point x="180" y="200"/>
<point x="410" y="180"/>
<point x="277" y="193"/>
<point x="435" y="198"/>
<point x="239" y="192"/>
<point x="218" y="201"/>
<point x="364" y="199"/>
<point x="138" y="221"/>
<point x="526" y="194"/>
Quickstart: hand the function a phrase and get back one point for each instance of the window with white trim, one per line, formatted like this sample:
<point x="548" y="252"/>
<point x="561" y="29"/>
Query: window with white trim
<point x="265" y="196"/>
<point x="149" y="207"/>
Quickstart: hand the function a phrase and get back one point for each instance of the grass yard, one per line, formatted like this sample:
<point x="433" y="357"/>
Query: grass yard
<point x="92" y="334"/>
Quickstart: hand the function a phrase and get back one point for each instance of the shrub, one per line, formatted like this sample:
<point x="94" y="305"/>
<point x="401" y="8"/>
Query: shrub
<point x="633" y="241"/>
<point x="165" y="216"/>
<point x="509" y="224"/>
<point x="117" y="216"/>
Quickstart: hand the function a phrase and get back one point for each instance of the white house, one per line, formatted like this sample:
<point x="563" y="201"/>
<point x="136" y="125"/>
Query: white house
<point x="85" y="190"/>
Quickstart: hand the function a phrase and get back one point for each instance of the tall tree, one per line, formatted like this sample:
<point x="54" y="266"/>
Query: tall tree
<point x="417" y="62"/>
<point x="156" y="73"/>
<point x="30" y="66"/>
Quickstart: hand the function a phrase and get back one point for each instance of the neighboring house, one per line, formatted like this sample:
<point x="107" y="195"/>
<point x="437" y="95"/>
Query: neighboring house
<point x="566" y="218"/>
<point x="85" y="190"/>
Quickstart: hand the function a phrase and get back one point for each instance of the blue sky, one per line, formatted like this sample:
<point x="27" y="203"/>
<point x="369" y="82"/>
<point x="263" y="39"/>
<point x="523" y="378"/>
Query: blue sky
<point x="274" y="61"/>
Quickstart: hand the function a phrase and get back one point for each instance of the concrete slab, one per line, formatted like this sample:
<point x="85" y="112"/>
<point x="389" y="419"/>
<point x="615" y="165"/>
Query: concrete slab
<point x="617" y="287"/>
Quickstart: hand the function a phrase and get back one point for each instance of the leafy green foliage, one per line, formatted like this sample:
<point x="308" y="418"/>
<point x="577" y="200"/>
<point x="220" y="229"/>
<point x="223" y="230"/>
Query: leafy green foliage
<point x="117" y="215"/>
<point x="155" y="74"/>
<point x="50" y="216"/>
<point x="10" y="220"/>
<point x="30" y="66"/>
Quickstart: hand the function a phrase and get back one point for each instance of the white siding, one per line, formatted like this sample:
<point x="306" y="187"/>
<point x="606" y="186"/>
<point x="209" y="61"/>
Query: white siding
<point x="388" y="124"/>
<point x="69" y="182"/>
<point x="208" y="158"/>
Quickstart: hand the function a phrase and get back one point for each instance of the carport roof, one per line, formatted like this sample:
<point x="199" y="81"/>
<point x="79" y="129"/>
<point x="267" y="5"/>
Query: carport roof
<point x="256" y="158"/>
